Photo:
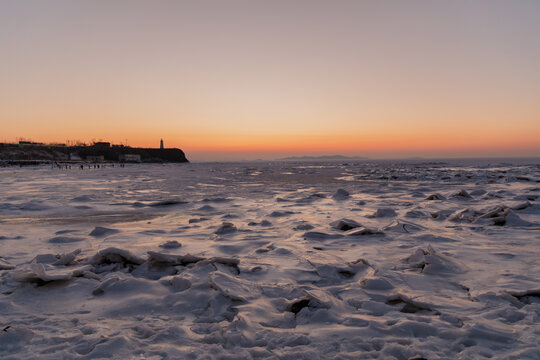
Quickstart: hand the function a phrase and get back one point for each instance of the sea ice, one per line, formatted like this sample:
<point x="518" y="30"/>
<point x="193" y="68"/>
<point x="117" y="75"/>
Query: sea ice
<point x="415" y="260"/>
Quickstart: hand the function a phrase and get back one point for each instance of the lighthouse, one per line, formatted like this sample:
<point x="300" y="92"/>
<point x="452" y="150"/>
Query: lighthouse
<point x="161" y="144"/>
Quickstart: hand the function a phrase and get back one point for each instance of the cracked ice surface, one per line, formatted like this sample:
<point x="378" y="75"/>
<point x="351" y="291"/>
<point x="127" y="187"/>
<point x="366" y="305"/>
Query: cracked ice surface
<point x="271" y="260"/>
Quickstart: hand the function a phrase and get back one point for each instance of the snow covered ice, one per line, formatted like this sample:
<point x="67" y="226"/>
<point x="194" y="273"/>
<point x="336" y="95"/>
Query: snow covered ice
<point x="363" y="260"/>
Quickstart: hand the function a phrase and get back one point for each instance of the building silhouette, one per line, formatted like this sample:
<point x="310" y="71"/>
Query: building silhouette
<point x="161" y="144"/>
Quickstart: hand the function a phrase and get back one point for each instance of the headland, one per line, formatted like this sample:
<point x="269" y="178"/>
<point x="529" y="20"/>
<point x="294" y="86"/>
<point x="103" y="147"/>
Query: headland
<point x="27" y="152"/>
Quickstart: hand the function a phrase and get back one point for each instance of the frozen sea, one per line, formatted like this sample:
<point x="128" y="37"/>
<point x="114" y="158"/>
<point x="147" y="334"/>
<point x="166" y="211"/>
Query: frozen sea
<point x="269" y="260"/>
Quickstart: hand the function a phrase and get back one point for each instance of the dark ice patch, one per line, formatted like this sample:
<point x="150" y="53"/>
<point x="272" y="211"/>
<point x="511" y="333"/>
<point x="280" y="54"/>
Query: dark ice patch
<point x="165" y="203"/>
<point x="103" y="231"/>
<point x="64" y="239"/>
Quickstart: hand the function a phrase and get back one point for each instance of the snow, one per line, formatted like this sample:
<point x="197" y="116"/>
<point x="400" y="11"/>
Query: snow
<point x="366" y="260"/>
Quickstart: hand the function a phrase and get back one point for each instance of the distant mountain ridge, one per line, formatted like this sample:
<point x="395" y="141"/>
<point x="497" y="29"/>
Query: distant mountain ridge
<point x="322" y="158"/>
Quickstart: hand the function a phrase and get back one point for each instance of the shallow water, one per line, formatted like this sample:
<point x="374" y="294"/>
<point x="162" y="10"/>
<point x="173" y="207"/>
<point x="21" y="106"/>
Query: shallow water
<point x="399" y="276"/>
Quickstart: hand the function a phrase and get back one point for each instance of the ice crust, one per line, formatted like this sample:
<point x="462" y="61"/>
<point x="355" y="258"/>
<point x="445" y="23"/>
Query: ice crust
<point x="371" y="260"/>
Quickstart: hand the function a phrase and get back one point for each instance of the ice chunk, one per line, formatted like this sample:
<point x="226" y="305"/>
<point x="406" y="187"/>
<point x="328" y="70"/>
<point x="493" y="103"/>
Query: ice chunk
<point x="4" y="265"/>
<point x="403" y="227"/>
<point x="341" y="194"/>
<point x="303" y="226"/>
<point x="159" y="260"/>
<point x="281" y="213"/>
<point x="117" y="258"/>
<point x="67" y="259"/>
<point x="155" y="258"/>
<point x="410" y="306"/>
<point x="362" y="231"/>
<point x="345" y="224"/>
<point x="206" y="208"/>
<point x="435" y="197"/>
<point x="234" y="287"/>
<point x="173" y="244"/>
<point x="37" y="273"/>
<point x="468" y="215"/>
<point x="376" y="284"/>
<point x="384" y="212"/>
<point x="462" y="194"/>
<point x="522" y="206"/>
<point x="226" y="228"/>
<point x="45" y="258"/>
<point x="502" y="216"/>
<point x="527" y="296"/>
<point x="431" y="262"/>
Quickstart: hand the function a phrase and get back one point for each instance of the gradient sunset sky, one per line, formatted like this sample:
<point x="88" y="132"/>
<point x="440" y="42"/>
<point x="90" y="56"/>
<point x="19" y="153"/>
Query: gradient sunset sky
<point x="226" y="80"/>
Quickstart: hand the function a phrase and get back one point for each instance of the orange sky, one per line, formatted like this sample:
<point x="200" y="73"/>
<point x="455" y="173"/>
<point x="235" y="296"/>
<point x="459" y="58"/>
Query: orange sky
<point x="246" y="80"/>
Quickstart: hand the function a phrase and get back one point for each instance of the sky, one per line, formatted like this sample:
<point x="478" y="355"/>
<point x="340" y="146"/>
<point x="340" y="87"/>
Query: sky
<point x="241" y="80"/>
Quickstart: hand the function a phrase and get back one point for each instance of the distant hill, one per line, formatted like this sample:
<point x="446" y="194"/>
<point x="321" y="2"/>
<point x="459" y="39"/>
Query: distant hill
<point x="322" y="158"/>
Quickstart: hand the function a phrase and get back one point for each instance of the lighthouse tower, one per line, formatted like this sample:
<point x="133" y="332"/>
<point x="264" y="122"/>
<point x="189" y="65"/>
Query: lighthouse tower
<point x="161" y="144"/>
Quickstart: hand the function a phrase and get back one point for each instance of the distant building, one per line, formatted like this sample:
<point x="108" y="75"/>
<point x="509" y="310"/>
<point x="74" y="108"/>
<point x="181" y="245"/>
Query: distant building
<point x="74" y="156"/>
<point x="129" y="158"/>
<point x="161" y="144"/>
<point x="22" y="142"/>
<point x="95" y="158"/>
<point x="102" y="145"/>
